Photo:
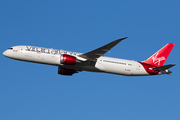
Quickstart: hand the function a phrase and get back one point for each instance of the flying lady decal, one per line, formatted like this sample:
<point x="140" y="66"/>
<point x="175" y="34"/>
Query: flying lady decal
<point x="157" y="60"/>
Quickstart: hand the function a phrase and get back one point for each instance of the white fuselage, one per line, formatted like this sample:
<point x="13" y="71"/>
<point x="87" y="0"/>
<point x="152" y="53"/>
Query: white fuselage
<point x="52" y="57"/>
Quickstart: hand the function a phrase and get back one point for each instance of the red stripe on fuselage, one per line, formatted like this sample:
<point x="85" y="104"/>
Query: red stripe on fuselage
<point x="148" y="68"/>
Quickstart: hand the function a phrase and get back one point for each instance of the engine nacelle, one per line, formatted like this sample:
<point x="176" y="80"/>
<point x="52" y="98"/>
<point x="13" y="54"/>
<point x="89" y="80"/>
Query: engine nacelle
<point x="64" y="71"/>
<point x="67" y="59"/>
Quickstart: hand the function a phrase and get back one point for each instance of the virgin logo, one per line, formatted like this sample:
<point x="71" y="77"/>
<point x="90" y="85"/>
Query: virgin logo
<point x="157" y="60"/>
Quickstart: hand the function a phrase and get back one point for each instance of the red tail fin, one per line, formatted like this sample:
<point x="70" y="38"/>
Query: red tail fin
<point x="159" y="58"/>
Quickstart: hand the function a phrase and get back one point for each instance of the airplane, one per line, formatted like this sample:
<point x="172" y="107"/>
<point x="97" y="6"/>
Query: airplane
<point x="70" y="63"/>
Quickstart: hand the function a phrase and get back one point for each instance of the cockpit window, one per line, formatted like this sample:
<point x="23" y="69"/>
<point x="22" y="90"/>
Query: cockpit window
<point x="10" y="48"/>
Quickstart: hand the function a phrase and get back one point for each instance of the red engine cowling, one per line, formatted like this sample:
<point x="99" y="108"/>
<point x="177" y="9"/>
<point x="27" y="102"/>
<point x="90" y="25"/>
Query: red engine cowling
<point x="64" y="71"/>
<point x="67" y="59"/>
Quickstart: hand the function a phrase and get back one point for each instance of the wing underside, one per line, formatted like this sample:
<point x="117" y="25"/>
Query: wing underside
<point x="94" y="54"/>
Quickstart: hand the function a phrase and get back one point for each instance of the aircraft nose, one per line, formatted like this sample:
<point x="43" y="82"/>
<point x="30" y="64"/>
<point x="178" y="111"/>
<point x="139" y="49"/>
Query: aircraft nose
<point x="5" y="53"/>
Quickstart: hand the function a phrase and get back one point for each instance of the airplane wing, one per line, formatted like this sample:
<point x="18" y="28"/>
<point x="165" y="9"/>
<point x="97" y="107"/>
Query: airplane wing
<point x="94" y="54"/>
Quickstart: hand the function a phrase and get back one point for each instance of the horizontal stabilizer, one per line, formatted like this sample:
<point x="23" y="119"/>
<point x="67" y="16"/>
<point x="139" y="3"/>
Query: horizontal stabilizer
<point x="163" y="68"/>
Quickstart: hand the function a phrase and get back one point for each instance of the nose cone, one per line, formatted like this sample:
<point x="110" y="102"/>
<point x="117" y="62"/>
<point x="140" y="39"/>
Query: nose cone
<point x="5" y="53"/>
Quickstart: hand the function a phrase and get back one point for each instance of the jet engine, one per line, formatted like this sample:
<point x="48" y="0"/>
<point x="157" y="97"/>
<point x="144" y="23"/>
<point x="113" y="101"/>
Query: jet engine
<point x="64" y="71"/>
<point x="67" y="59"/>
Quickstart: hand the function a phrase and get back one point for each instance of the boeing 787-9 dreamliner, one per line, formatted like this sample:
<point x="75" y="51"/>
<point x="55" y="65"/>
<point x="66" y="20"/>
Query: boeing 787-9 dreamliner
<point x="72" y="62"/>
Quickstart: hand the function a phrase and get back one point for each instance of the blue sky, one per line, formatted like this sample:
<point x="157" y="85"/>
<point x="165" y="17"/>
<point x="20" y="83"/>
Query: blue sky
<point x="34" y="91"/>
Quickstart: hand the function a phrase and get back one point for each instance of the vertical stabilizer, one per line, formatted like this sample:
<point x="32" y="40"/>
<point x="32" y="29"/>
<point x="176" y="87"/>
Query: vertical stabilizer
<point x="159" y="58"/>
